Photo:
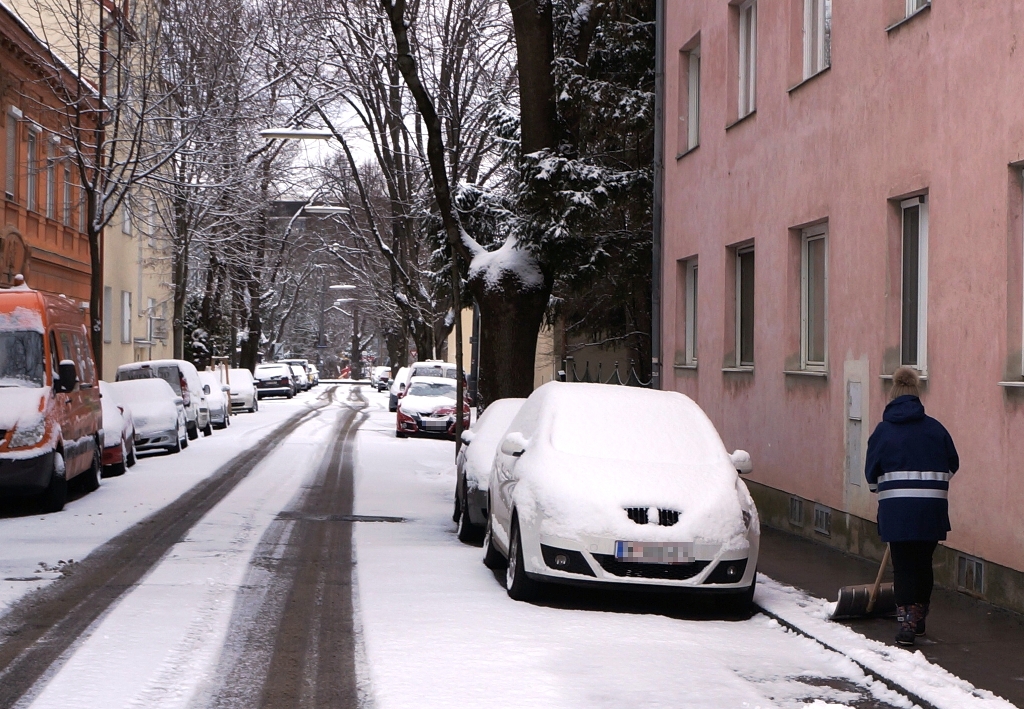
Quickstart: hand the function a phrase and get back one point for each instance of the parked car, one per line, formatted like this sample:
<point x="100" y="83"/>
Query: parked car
<point x="159" y="413"/>
<point x="380" y="377"/>
<point x="218" y="395"/>
<point x="243" y="390"/>
<point x="118" y="433"/>
<point x="428" y="408"/>
<point x="274" y="380"/>
<point x="184" y="380"/>
<point x="314" y="374"/>
<point x="305" y="382"/>
<point x="613" y="484"/>
<point x="300" y="378"/>
<point x="473" y="466"/>
<point x="51" y="422"/>
<point x="397" y="388"/>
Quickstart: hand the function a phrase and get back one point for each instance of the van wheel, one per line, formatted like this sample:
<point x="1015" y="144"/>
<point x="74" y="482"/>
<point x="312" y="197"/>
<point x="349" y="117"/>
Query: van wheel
<point x="92" y="477"/>
<point x="56" y="493"/>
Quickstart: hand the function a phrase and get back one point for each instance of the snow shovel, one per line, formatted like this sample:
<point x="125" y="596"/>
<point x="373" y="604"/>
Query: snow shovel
<point x="877" y="599"/>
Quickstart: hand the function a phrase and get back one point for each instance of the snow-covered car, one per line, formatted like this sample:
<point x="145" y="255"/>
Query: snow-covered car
<point x="305" y="381"/>
<point x="274" y="380"/>
<point x="397" y="388"/>
<point x="473" y="466"/>
<point x="243" y="390"/>
<point x="158" y="413"/>
<point x="314" y="374"/>
<point x="118" y="433"/>
<point x="299" y="377"/>
<point x="217" y="399"/>
<point x="380" y="377"/>
<point x="184" y="380"/>
<point x="616" y="484"/>
<point x="428" y="407"/>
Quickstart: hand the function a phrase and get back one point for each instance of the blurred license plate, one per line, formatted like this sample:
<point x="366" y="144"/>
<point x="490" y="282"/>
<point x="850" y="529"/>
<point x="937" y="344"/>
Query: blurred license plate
<point x="654" y="552"/>
<point x="435" y="423"/>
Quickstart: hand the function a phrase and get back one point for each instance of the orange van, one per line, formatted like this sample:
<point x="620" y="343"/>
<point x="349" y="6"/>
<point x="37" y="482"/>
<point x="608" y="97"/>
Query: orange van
<point x="51" y="423"/>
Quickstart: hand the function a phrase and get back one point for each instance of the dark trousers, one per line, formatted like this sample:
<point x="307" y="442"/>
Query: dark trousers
<point x="912" y="571"/>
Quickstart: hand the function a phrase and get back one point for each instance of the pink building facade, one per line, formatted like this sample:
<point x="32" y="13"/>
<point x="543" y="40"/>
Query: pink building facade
<point x="843" y="194"/>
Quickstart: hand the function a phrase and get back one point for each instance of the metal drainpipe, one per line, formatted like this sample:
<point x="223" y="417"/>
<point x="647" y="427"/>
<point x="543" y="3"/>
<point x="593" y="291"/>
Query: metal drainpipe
<point x="659" y="176"/>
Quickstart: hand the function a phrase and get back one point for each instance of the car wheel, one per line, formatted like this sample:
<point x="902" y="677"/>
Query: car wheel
<point x="184" y="442"/>
<point x="92" y="477"/>
<point x="742" y="603"/>
<point x="115" y="469"/>
<point x="193" y="431"/>
<point x="255" y="405"/>
<point x="492" y="557"/>
<point x="132" y="460"/>
<point x="519" y="586"/>
<point x="176" y="448"/>
<point x="56" y="493"/>
<point x="468" y="532"/>
<point x="458" y="507"/>
<point x="208" y="431"/>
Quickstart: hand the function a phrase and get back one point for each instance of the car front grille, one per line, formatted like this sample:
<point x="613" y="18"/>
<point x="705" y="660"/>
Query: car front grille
<point x="640" y="515"/>
<point x="632" y="569"/>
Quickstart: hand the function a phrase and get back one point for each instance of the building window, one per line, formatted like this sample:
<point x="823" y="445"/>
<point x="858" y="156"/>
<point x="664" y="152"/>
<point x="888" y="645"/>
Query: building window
<point x="126" y="317"/>
<point x="915" y="5"/>
<point x="108" y="314"/>
<point x="690" y="101"/>
<point x="691" y="312"/>
<point x="67" y="196"/>
<point x="745" y="307"/>
<point x="814" y="297"/>
<point x="748" y="57"/>
<point x="126" y="216"/>
<point x="12" y="152"/>
<point x="51" y="181"/>
<point x="914" y="330"/>
<point x="817" y="36"/>
<point x="150" y="313"/>
<point x="32" y="164"/>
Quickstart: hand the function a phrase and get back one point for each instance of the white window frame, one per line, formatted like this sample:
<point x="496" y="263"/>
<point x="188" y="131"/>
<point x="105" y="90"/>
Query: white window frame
<point x="922" y="281"/>
<point x="814" y="233"/>
<point x="32" y="170"/>
<point x="747" y="94"/>
<point x="742" y="251"/>
<point x="691" y="290"/>
<point x="126" y="317"/>
<point x="67" y="195"/>
<point x="915" y="5"/>
<point x="150" y="308"/>
<point x="817" y="54"/>
<point x="126" y="216"/>
<point x="13" y="118"/>
<point x="693" y="99"/>
<point x="51" y="179"/>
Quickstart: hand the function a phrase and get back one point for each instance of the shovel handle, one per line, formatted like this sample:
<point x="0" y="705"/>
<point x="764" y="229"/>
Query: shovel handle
<point x="878" y="581"/>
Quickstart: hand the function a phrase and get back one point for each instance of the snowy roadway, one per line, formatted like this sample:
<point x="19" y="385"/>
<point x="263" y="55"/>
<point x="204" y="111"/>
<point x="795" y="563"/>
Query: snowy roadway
<point x="252" y="603"/>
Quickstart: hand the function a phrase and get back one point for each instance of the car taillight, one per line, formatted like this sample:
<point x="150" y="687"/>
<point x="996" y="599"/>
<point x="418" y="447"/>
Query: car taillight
<point x="186" y="398"/>
<point x="284" y="381"/>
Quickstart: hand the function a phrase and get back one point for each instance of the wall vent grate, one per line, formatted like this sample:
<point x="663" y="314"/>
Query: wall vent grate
<point x="970" y="574"/>
<point x="796" y="511"/>
<point x="823" y="520"/>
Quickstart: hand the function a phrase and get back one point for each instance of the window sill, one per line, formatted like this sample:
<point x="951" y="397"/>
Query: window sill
<point x="1012" y="385"/>
<point x="808" y="80"/>
<point x="680" y="156"/>
<point x="694" y="367"/>
<point x="738" y="370"/>
<point x="819" y="373"/>
<point x="739" y="120"/>
<point x="908" y="18"/>
<point x="888" y="377"/>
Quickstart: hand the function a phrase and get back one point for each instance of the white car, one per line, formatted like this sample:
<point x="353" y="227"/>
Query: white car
<point x="217" y="398"/>
<point x="397" y="388"/>
<point x="243" y="390"/>
<point x="300" y="378"/>
<point x="380" y="377"/>
<point x="184" y="380"/>
<point x="158" y="412"/>
<point x="613" y="484"/>
<point x="473" y="466"/>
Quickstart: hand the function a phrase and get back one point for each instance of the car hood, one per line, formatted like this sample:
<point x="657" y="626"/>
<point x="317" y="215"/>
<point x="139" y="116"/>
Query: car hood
<point x="424" y="404"/>
<point x="573" y="495"/>
<point x="154" y="415"/>
<point x="22" y="406"/>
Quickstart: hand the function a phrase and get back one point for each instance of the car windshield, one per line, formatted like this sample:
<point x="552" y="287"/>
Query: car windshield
<point x="21" y="358"/>
<point x="432" y="389"/>
<point x="168" y="374"/>
<point x="428" y="371"/>
<point x="272" y="371"/>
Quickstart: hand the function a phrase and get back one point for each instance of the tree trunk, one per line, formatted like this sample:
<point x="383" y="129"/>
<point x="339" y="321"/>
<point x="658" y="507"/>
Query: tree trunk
<point x="535" y="50"/>
<point x="397" y="343"/>
<point x="96" y="288"/>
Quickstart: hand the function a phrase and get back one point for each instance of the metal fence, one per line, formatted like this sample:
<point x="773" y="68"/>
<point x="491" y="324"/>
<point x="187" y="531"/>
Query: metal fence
<point x="569" y="373"/>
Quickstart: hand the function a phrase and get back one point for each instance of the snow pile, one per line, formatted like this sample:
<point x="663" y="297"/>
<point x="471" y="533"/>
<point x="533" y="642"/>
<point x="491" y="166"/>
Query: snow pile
<point x="487" y="433"/>
<point x="910" y="670"/>
<point x="509" y="258"/>
<point x="152" y="404"/>
<point x="593" y="450"/>
<point x="22" y="319"/>
<point x="22" y="407"/>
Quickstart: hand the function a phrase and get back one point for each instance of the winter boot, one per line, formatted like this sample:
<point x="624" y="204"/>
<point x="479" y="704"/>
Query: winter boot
<point x="919" y="628"/>
<point x="906" y="616"/>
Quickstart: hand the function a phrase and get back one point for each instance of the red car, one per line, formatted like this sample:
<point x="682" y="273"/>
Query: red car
<point x="118" y="434"/>
<point x="428" y="407"/>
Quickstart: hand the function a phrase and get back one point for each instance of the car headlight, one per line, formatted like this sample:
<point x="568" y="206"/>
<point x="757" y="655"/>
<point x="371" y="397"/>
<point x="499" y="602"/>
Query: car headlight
<point x="27" y="436"/>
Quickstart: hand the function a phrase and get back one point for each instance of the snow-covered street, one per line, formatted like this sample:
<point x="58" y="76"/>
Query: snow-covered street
<point x="255" y="603"/>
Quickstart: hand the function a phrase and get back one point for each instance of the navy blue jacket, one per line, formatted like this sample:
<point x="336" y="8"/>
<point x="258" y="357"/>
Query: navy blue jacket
<point x="911" y="458"/>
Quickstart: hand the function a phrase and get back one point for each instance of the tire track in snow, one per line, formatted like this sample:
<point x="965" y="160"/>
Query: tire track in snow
<point x="41" y="628"/>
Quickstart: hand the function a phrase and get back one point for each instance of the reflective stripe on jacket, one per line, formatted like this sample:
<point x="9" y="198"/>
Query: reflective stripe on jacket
<point x="910" y="460"/>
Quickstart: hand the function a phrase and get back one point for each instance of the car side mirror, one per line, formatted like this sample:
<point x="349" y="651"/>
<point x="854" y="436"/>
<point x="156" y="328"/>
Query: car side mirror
<point x="67" y="376"/>
<point x="741" y="461"/>
<point x="513" y="444"/>
<point x="206" y="389"/>
<point x="467" y="437"/>
<point x="179" y="400"/>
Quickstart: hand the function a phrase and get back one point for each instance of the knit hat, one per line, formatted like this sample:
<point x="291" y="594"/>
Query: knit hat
<point x="905" y="381"/>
